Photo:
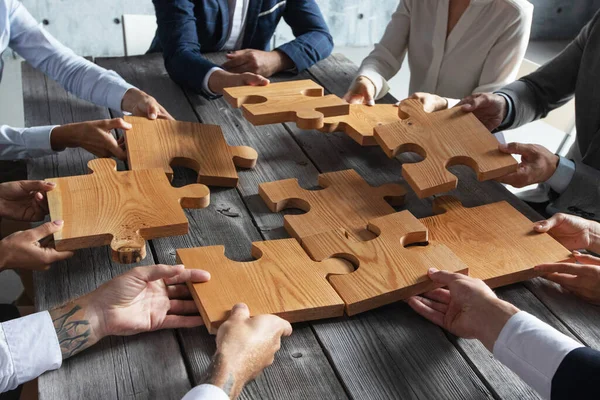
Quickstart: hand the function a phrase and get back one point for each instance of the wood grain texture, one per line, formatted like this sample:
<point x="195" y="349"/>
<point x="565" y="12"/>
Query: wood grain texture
<point x="496" y="241"/>
<point x="200" y="147"/>
<point x="346" y="204"/>
<point x="122" y="209"/>
<point x="301" y="102"/>
<point x="283" y="281"/>
<point x="387" y="269"/>
<point x="362" y="121"/>
<point x="444" y="138"/>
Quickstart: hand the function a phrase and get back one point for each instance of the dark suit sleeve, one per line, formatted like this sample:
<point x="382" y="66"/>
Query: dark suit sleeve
<point x="313" y="41"/>
<point x="577" y="376"/>
<point x="551" y="86"/>
<point x="179" y="41"/>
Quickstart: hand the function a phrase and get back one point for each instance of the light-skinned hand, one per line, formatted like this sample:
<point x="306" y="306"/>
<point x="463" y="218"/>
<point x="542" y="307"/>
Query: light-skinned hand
<point x="431" y="102"/>
<point x="583" y="279"/>
<point x="220" y="80"/>
<point x="489" y="108"/>
<point x="575" y="233"/>
<point x="362" y="91"/>
<point x="264" y="63"/>
<point x="23" y="250"/>
<point x="467" y="308"/>
<point x="538" y="164"/>
<point x="141" y="104"/>
<point x="24" y="200"/>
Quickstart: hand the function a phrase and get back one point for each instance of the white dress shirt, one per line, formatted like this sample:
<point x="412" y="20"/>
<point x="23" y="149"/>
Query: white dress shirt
<point x="482" y="53"/>
<point x="22" y="33"/>
<point x="533" y="350"/>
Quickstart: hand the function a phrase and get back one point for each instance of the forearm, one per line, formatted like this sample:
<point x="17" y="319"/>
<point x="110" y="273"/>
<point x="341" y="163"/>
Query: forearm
<point x="221" y="373"/>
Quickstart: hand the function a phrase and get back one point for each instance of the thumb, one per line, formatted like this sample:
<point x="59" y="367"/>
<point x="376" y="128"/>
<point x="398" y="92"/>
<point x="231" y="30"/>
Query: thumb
<point x="114" y="148"/>
<point x="153" y="273"/>
<point x="46" y="230"/>
<point x="37" y="186"/>
<point x="547" y="225"/>
<point x="443" y="277"/>
<point x="515" y="148"/>
<point x="118" y="123"/>
<point x="286" y="327"/>
<point x="152" y="111"/>
<point x="239" y="312"/>
<point x="255" y="80"/>
<point x="586" y="259"/>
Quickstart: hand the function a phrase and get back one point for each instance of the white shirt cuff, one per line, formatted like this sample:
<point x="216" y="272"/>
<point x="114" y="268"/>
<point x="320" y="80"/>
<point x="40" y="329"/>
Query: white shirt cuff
<point x="206" y="78"/>
<point x="33" y="347"/>
<point x="115" y="89"/>
<point x="381" y="85"/>
<point x="560" y="180"/>
<point x="452" y="102"/>
<point x="206" y="392"/>
<point x="533" y="350"/>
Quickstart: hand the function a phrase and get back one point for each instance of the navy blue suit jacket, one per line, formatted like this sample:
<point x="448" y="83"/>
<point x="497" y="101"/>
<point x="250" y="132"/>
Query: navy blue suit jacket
<point x="186" y="28"/>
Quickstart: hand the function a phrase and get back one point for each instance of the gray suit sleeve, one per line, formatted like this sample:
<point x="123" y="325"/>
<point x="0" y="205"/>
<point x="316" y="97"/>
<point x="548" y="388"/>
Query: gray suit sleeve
<point x="551" y="86"/>
<point x="582" y="196"/>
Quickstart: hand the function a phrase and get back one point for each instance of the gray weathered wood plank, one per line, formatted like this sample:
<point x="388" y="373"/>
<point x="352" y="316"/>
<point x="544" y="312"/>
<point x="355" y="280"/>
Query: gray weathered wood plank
<point x="301" y="369"/>
<point x="146" y="366"/>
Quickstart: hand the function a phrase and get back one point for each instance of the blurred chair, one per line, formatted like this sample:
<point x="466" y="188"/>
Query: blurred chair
<point x="138" y="32"/>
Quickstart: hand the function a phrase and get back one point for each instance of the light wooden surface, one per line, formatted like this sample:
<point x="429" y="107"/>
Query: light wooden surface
<point x="122" y="209"/>
<point x="388" y="270"/>
<point x="346" y="203"/>
<point x="496" y="241"/>
<point x="295" y="101"/>
<point x="200" y="147"/>
<point x="444" y="138"/>
<point x="283" y="281"/>
<point x="361" y="122"/>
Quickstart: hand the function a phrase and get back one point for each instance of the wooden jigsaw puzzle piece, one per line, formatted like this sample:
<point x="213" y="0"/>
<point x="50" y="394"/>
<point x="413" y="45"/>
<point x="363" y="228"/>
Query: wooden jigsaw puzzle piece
<point x="444" y="138"/>
<point x="387" y="270"/>
<point x="282" y="280"/>
<point x="346" y="203"/>
<point x="120" y="209"/>
<point x="300" y="101"/>
<point x="200" y="147"/>
<point x="361" y="122"/>
<point x="496" y="241"/>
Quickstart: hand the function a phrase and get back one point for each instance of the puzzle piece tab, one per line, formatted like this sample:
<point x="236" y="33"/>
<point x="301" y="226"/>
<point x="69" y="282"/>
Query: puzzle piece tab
<point x="301" y="102"/>
<point x="496" y="241"/>
<point x="347" y="203"/>
<point x="163" y="144"/>
<point x="444" y="138"/>
<point x="361" y="122"/>
<point x="387" y="270"/>
<point x="122" y="209"/>
<point x="283" y="281"/>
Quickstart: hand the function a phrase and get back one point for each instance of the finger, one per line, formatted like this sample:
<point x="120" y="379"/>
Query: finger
<point x="235" y="61"/>
<point x="423" y="310"/>
<point x="182" y="307"/>
<point x="239" y="312"/>
<point x="517" y="179"/>
<point x="443" y="277"/>
<point x="568" y="268"/>
<point x="440" y="295"/>
<point x="37" y="186"/>
<point x="151" y="273"/>
<point x="118" y="123"/>
<point x="189" y="275"/>
<point x="571" y="281"/>
<point x="164" y="114"/>
<point x="152" y="110"/>
<point x="586" y="258"/>
<point x="178" y="292"/>
<point x="255" y="80"/>
<point x="435" y="305"/>
<point x="357" y="99"/>
<point x="45" y="230"/>
<point x="179" y="321"/>
<point x="470" y="103"/>
<point x="284" y="326"/>
<point x="517" y="148"/>
<point x="113" y="147"/>
<point x="50" y="256"/>
<point x="550" y="223"/>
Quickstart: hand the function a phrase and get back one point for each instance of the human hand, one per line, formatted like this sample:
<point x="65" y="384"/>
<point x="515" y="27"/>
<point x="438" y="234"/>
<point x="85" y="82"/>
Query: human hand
<point x="489" y="108"/>
<point x="537" y="164"/>
<point x="431" y="102"/>
<point x="245" y="346"/>
<point x="141" y="104"/>
<point x="581" y="279"/>
<point x="575" y="233"/>
<point x="23" y="249"/>
<point x="24" y="200"/>
<point x="264" y="63"/>
<point x="468" y="308"/>
<point x="362" y="91"/>
<point x="220" y="80"/>
<point x="93" y="136"/>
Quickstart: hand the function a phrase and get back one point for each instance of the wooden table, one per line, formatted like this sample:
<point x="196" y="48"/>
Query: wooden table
<point x="386" y="353"/>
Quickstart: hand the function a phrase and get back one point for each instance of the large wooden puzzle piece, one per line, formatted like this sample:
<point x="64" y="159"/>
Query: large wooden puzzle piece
<point x="163" y="144"/>
<point x="361" y="122"/>
<point x="283" y="281"/>
<point x="387" y="270"/>
<point x="301" y="102"/>
<point x="347" y="203"/>
<point x="497" y="242"/>
<point x="122" y="209"/>
<point x="444" y="138"/>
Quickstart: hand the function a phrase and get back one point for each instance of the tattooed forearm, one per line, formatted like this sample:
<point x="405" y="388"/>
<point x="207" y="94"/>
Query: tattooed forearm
<point x="219" y="375"/>
<point x="72" y="329"/>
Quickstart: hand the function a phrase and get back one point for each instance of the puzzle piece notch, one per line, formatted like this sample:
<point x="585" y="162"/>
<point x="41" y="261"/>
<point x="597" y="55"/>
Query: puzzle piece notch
<point x="496" y="241"/>
<point x="120" y="208"/>
<point x="282" y="280"/>
<point x="346" y="202"/>
<point x="300" y="101"/>
<point x="200" y="147"/>
<point x="362" y="121"/>
<point x="444" y="138"/>
<point x="387" y="270"/>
